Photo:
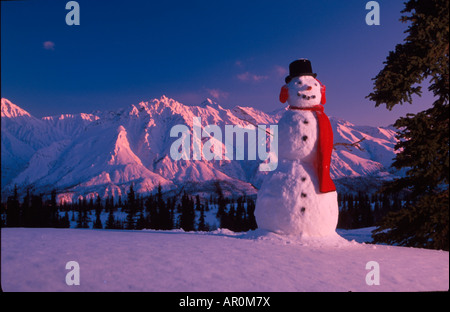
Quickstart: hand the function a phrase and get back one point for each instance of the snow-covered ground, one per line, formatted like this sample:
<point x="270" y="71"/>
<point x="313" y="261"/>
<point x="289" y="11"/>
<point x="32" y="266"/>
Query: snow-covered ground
<point x="109" y="260"/>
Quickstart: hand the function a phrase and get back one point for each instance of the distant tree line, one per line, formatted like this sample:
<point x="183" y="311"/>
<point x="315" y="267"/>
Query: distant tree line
<point x="151" y="212"/>
<point x="32" y="212"/>
<point x="363" y="210"/>
<point x="185" y="212"/>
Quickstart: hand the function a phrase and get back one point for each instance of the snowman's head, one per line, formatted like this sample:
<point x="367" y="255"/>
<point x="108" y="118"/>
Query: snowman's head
<point x="303" y="91"/>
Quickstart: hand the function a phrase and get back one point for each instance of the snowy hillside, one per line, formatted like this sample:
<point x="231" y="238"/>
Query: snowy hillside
<point x="104" y="152"/>
<point x="256" y="261"/>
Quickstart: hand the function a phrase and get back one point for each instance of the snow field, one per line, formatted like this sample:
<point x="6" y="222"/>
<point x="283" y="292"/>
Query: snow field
<point x="34" y="260"/>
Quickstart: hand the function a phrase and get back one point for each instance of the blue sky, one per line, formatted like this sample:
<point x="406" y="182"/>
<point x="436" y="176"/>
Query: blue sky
<point x="235" y="52"/>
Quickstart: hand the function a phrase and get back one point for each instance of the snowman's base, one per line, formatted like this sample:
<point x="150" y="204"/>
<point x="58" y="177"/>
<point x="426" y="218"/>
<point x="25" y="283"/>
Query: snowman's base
<point x="290" y="203"/>
<point x="331" y="240"/>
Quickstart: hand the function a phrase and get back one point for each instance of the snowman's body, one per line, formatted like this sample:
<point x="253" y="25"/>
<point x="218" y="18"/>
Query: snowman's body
<point x="289" y="201"/>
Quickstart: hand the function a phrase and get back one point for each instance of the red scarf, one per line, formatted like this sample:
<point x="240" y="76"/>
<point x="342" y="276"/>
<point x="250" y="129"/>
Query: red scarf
<point x="325" y="147"/>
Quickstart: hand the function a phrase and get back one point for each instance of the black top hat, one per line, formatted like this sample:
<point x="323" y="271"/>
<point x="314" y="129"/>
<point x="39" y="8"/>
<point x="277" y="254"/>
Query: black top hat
<point x="300" y="67"/>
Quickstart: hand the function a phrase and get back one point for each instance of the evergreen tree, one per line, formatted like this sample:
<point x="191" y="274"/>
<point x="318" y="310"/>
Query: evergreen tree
<point x="119" y="201"/>
<point x="13" y="213"/>
<point x="222" y="206"/>
<point x="231" y="217"/>
<point x="164" y="214"/>
<point x="171" y="206"/>
<point x="141" y="222"/>
<point x="107" y="204"/>
<point x="376" y="212"/>
<point x="82" y="218"/>
<point x="26" y="210"/>
<point x="366" y="211"/>
<point x="83" y="204"/>
<point x="252" y="225"/>
<point x="131" y="209"/>
<point x="165" y="217"/>
<point x="152" y="217"/>
<point x="111" y="221"/>
<point x="98" y="223"/>
<point x="79" y="219"/>
<point x="241" y="219"/>
<point x="111" y="202"/>
<point x="98" y="205"/>
<point x="423" y="137"/>
<point x="40" y="214"/>
<point x="187" y="216"/>
<point x="73" y="215"/>
<point x="201" y="221"/>
<point x="64" y="222"/>
<point x="351" y="212"/>
<point x="53" y="211"/>
<point x="129" y="221"/>
<point x="343" y="218"/>
<point x="355" y="211"/>
<point x="131" y="200"/>
<point x="91" y="203"/>
<point x="98" y="210"/>
<point x="197" y="203"/>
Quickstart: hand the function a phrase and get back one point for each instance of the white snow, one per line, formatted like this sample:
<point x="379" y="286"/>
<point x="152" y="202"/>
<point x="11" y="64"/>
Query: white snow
<point x="292" y="127"/>
<point x="289" y="202"/>
<point x="35" y="260"/>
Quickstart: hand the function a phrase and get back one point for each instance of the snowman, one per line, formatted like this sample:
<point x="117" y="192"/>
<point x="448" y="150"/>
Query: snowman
<point x="299" y="198"/>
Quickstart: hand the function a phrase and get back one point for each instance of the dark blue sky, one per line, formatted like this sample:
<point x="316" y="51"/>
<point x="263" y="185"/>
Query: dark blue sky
<point x="235" y="52"/>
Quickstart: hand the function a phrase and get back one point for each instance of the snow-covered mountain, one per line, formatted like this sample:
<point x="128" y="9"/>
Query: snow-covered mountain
<point x="105" y="152"/>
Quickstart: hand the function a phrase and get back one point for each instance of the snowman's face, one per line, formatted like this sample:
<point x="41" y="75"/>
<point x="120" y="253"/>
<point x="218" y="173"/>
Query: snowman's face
<point x="304" y="91"/>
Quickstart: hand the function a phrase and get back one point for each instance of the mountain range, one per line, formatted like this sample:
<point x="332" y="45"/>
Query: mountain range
<point x="105" y="152"/>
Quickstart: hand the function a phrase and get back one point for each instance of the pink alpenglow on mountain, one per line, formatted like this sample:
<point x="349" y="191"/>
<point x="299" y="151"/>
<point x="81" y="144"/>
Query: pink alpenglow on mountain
<point x="104" y="152"/>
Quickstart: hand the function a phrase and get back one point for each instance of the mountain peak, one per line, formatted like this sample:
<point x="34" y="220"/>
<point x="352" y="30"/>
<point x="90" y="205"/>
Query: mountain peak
<point x="11" y="110"/>
<point x="122" y="152"/>
<point x="164" y="100"/>
<point x="155" y="103"/>
<point x="209" y="102"/>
